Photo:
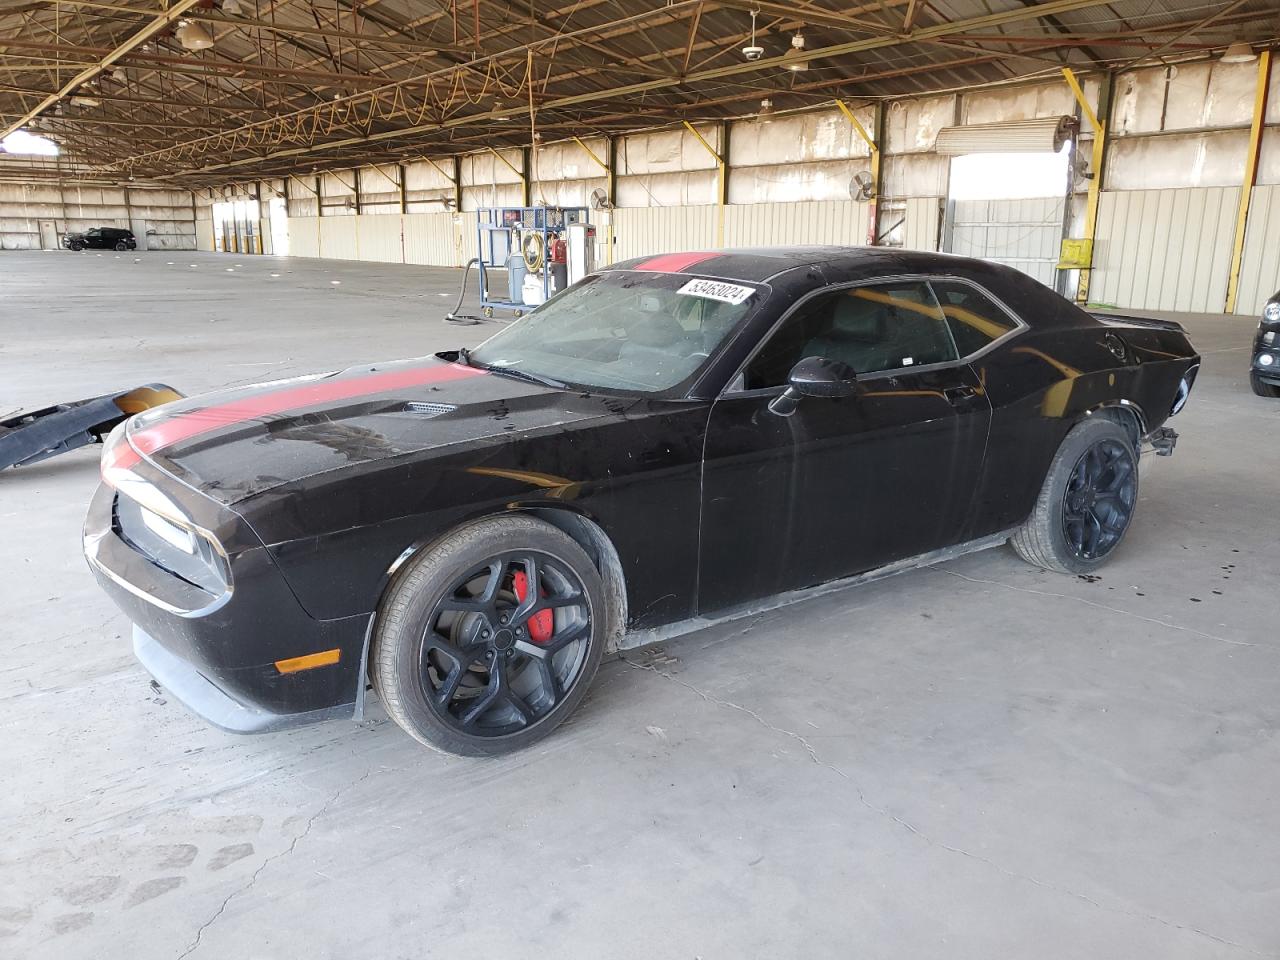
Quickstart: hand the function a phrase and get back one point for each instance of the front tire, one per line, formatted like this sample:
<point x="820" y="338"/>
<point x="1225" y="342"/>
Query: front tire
<point x="488" y="640"/>
<point x="77" y="246"/>
<point x="1087" y="502"/>
<point x="1262" y="388"/>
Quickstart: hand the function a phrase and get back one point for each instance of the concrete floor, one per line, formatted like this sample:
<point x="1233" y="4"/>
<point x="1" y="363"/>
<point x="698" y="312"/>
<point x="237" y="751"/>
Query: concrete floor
<point x="975" y="760"/>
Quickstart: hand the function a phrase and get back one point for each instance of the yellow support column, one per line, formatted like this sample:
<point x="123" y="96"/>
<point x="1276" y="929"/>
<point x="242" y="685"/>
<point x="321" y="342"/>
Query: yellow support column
<point x="1250" y="175"/>
<point x="1095" y="185"/>
<point x="612" y="180"/>
<point x="722" y="181"/>
<point x="873" y="229"/>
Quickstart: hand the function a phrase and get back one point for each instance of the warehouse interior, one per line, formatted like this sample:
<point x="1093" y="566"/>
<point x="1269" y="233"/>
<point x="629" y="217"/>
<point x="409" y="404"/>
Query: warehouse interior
<point x="975" y="759"/>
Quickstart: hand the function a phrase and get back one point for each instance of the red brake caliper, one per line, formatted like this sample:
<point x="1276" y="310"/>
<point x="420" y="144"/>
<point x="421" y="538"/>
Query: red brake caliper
<point x="541" y="624"/>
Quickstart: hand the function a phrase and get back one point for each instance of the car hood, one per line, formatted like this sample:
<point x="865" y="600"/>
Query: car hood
<point x="238" y="443"/>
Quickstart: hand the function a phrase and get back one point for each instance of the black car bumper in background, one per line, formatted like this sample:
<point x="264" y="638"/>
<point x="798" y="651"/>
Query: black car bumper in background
<point x="248" y="658"/>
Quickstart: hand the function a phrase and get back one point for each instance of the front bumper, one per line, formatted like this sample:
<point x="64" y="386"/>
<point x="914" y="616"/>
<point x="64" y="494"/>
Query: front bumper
<point x="212" y="703"/>
<point x="218" y="655"/>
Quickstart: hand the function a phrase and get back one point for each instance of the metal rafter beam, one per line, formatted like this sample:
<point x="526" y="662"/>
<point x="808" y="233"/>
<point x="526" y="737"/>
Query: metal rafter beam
<point x="151" y="29"/>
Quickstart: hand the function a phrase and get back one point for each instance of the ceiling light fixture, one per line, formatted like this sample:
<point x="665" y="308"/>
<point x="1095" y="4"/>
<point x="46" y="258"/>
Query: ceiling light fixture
<point x="766" y="107"/>
<point x="193" y="36"/>
<point x="232" y="8"/>
<point x="1239" y="53"/>
<point x="795" y="56"/>
<point x="753" y="50"/>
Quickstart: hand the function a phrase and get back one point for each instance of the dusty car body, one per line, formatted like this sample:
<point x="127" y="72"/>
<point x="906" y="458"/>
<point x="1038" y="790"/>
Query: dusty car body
<point x="247" y="531"/>
<point x="1264" y="365"/>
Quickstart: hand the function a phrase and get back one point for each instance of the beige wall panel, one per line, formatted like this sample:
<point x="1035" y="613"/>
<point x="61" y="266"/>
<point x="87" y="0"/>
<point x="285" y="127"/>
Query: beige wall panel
<point x="1260" y="268"/>
<point x="432" y="239"/>
<point x="378" y="239"/>
<point x="839" y="222"/>
<point x="1164" y="249"/>
<point x="640" y="231"/>
<point x="204" y="235"/>
<point x="304" y="236"/>
<point x="920" y="228"/>
<point x="338" y="238"/>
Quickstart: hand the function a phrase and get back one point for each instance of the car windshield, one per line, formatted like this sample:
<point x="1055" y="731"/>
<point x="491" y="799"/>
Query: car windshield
<point x="96" y="231"/>
<point x="623" y="330"/>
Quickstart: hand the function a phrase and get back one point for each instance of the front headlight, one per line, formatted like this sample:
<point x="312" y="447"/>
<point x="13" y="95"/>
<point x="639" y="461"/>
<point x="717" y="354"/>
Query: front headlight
<point x="1271" y="312"/>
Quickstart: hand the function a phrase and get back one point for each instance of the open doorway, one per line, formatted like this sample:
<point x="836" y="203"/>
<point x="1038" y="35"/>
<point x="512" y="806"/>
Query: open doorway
<point x="279" y="216"/>
<point x="1011" y="208"/>
<point x="235" y="226"/>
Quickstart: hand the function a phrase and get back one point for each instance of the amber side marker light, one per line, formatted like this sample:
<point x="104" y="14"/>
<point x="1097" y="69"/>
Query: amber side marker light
<point x="309" y="662"/>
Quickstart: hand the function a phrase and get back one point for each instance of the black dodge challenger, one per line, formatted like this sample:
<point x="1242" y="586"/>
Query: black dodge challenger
<point x="688" y="434"/>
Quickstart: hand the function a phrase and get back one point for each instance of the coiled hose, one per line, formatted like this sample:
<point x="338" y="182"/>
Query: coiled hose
<point x="453" y="316"/>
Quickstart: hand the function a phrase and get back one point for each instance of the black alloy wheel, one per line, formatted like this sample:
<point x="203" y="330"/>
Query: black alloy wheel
<point x="1087" y="501"/>
<point x="1098" y="503"/>
<point x="505" y="644"/>
<point x="487" y="640"/>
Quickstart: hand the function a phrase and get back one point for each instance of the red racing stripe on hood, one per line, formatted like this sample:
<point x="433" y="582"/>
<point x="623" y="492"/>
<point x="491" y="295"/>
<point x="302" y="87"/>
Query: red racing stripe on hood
<point x="185" y="426"/>
<point x="675" y="262"/>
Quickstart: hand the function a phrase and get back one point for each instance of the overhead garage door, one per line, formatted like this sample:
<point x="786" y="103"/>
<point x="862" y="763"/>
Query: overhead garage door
<point x="1025" y="234"/>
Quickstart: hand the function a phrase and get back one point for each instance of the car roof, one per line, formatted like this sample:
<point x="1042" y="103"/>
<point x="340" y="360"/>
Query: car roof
<point x="759" y="264"/>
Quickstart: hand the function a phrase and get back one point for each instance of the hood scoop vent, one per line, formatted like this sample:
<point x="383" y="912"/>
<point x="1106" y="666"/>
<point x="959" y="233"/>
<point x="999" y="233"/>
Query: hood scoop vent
<point x="423" y="409"/>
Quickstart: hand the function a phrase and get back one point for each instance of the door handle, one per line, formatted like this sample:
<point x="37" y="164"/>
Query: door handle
<point x="960" y="393"/>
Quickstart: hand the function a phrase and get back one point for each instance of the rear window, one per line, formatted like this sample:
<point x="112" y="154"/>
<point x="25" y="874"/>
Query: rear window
<point x="974" y="318"/>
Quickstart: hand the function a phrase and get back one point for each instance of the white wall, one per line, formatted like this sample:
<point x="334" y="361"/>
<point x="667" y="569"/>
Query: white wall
<point x="165" y="214"/>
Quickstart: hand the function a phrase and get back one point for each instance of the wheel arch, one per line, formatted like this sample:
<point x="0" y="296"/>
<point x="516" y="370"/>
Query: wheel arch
<point x="1125" y="413"/>
<point x="582" y="529"/>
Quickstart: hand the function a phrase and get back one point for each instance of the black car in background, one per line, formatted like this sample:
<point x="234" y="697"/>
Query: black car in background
<point x="101" y="238"/>
<point x="673" y="437"/>
<point x="1264" y="370"/>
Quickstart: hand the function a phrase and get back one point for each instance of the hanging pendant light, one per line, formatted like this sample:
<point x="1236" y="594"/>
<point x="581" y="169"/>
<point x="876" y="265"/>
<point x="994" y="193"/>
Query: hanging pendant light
<point x="795" y="58"/>
<point x="193" y="36"/>
<point x="1239" y="53"/>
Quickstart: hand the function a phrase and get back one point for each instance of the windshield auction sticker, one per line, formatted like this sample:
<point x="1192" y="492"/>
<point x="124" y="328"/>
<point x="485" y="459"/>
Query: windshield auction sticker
<point x="715" y="290"/>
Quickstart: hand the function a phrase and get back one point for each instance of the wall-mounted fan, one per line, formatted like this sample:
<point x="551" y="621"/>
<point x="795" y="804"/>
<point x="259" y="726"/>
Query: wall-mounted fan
<point x="600" y="200"/>
<point x="862" y="186"/>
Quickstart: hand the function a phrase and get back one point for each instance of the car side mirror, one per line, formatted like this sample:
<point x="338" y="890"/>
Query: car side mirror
<point x="815" y="377"/>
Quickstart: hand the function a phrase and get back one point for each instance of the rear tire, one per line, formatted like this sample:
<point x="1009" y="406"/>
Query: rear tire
<point x="1262" y="388"/>
<point x="121" y="246"/>
<point x="1087" y="502"/>
<point x="488" y="640"/>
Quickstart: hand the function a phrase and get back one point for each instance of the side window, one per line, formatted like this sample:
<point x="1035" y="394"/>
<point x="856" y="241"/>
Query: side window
<point x="871" y="328"/>
<point x="975" y="320"/>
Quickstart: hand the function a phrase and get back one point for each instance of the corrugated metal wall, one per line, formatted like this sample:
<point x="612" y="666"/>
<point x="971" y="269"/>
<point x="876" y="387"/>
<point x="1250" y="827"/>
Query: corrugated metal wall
<point x="338" y="238"/>
<point x="647" y="230"/>
<point x="841" y="222"/>
<point x="429" y="239"/>
<point x="1260" y="267"/>
<point x="378" y="239"/>
<point x="204" y="234"/>
<point x="436" y="240"/>
<point x="1164" y="249"/>
<point x="923" y="220"/>
<point x="162" y="218"/>
<point x="644" y="230"/>
<point x="304" y="236"/>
